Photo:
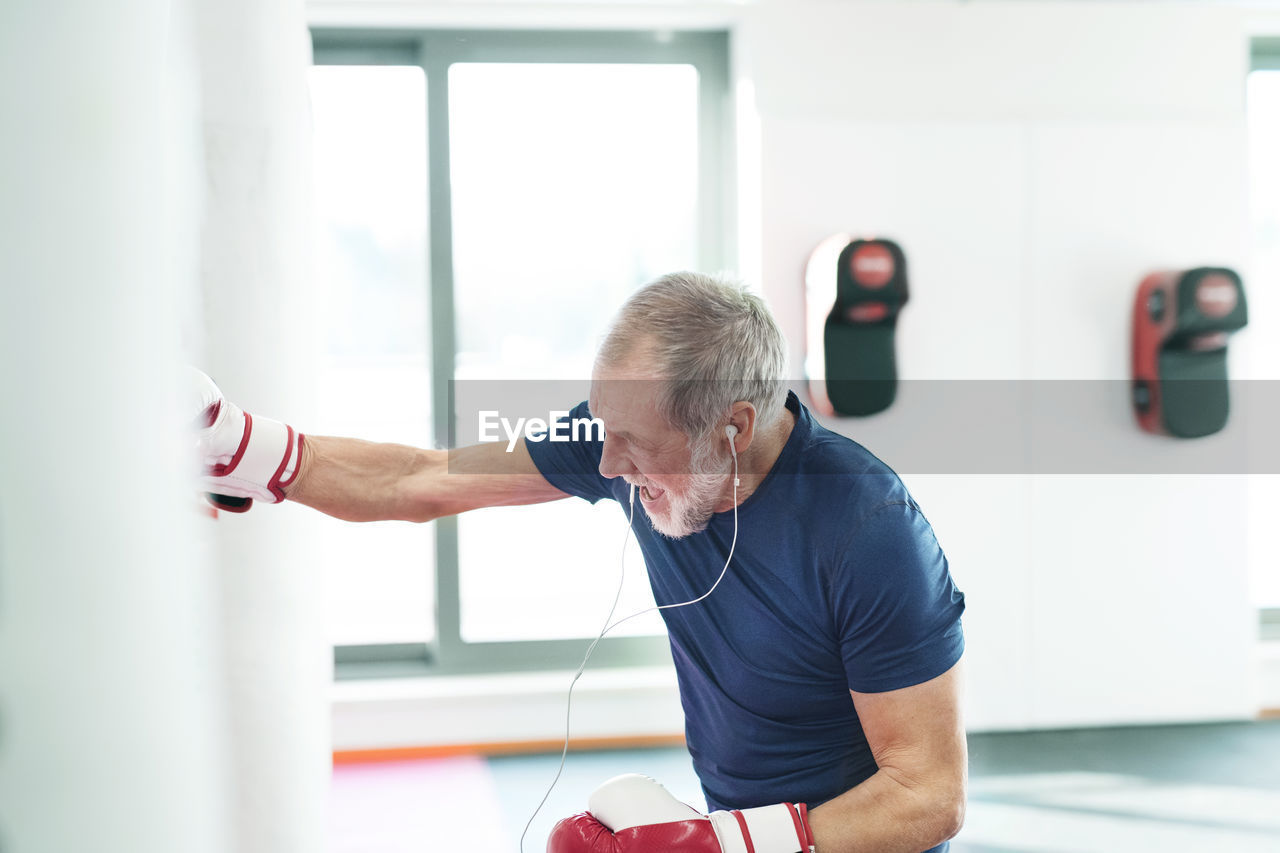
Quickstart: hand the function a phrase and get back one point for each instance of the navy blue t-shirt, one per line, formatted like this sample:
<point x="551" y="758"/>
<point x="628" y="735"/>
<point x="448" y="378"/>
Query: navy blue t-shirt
<point x="837" y="583"/>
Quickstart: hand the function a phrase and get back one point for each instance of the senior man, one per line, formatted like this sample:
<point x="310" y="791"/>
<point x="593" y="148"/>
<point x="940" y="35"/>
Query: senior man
<point x="820" y="680"/>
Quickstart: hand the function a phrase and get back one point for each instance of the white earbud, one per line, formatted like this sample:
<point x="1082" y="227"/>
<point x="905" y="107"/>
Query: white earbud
<point x="730" y="432"/>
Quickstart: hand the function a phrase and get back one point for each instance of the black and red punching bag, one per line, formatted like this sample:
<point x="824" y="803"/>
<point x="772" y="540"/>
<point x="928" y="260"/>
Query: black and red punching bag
<point x="1182" y="321"/>
<point x="858" y="335"/>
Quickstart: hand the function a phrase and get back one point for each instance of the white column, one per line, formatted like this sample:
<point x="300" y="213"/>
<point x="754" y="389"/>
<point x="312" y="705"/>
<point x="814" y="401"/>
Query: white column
<point x="254" y="56"/>
<point x="111" y="715"/>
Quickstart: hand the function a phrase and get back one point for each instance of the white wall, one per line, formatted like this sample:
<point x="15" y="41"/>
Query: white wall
<point x="1034" y="160"/>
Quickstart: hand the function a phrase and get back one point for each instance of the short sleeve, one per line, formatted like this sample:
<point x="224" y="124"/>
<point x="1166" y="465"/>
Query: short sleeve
<point x="569" y="458"/>
<point x="894" y="604"/>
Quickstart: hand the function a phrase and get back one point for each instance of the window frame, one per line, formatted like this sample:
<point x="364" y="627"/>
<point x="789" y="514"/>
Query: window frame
<point x="1264" y="54"/>
<point x="435" y="51"/>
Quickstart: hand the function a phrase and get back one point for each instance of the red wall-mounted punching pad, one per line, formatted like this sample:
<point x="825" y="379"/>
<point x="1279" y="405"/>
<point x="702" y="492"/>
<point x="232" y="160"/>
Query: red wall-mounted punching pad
<point x="1182" y="321"/>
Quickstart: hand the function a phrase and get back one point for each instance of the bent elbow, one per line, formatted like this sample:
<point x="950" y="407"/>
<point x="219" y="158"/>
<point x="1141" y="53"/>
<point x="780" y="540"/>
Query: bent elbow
<point x="955" y="821"/>
<point x="950" y="814"/>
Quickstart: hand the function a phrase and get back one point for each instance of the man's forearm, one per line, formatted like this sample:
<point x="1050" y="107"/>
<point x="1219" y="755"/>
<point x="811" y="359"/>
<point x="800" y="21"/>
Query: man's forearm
<point x="363" y="481"/>
<point x="358" y="480"/>
<point x="889" y="814"/>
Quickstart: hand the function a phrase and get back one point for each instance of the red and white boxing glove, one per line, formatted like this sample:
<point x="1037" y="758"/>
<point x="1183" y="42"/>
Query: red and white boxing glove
<point x="634" y="814"/>
<point x="242" y="458"/>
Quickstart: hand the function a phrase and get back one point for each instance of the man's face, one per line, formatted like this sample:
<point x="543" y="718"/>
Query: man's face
<point x="679" y="483"/>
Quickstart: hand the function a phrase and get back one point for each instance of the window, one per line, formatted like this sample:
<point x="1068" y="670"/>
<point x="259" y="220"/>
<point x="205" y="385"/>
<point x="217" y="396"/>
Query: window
<point x="550" y="175"/>
<point x="571" y="183"/>
<point x="374" y="369"/>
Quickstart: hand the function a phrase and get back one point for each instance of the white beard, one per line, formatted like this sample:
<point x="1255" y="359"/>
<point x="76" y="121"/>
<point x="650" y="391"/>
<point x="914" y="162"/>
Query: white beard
<point x="691" y="511"/>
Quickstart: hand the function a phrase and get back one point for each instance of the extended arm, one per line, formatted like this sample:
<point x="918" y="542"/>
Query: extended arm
<point x="916" y="800"/>
<point x="244" y="459"/>
<point x="364" y="481"/>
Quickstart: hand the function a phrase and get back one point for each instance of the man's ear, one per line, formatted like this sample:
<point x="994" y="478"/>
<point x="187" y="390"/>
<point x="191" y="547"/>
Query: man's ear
<point x="742" y="419"/>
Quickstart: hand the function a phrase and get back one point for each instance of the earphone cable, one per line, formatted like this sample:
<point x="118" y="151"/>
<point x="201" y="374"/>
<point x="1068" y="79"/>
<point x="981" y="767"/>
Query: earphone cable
<point x="568" y="711"/>
<point x="564" y="753"/>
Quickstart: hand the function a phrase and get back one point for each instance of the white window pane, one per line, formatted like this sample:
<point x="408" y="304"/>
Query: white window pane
<point x="372" y="300"/>
<point x="550" y="571"/>
<point x="572" y="185"/>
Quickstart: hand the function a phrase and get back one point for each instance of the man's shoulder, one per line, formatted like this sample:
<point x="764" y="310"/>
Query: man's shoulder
<point x="834" y="454"/>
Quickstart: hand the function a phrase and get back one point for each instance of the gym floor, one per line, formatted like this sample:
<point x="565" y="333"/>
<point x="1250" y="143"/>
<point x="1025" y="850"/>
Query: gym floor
<point x="1172" y="789"/>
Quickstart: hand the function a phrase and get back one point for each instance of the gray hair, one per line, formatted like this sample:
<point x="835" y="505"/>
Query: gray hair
<point x="714" y="343"/>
